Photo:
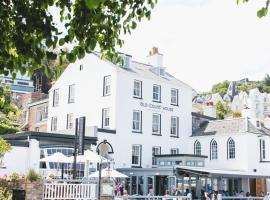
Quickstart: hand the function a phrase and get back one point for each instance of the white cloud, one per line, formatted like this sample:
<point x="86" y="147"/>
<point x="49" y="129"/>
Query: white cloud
<point x="205" y="41"/>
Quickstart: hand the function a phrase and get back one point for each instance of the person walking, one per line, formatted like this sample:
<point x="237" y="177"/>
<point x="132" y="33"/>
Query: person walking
<point x="206" y="196"/>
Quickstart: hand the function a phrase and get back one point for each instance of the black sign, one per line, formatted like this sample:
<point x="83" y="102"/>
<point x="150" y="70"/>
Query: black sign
<point x="81" y="134"/>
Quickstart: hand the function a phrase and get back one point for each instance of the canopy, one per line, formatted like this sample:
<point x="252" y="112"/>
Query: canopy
<point x="57" y="157"/>
<point x="220" y="172"/>
<point x="107" y="172"/>
<point x="91" y="157"/>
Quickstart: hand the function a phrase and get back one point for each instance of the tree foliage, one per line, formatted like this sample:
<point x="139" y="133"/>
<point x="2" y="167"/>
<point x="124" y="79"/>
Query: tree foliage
<point x="262" y="12"/>
<point x="221" y="87"/>
<point x="8" y="112"/>
<point x="222" y="110"/>
<point x="30" y="35"/>
<point x="4" y="147"/>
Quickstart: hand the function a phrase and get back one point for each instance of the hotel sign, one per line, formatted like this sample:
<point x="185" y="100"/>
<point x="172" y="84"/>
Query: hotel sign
<point x="156" y="107"/>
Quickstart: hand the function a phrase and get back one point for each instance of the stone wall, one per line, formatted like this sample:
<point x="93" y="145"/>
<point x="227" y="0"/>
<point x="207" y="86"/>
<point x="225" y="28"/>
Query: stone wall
<point x="34" y="190"/>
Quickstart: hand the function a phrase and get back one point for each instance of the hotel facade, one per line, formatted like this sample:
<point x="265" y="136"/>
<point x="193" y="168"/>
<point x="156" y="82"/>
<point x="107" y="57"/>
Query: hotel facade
<point x="146" y="115"/>
<point x="142" y="109"/>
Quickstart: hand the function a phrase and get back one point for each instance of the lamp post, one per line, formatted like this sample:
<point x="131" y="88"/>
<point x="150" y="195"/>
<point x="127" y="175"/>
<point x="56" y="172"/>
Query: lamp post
<point x="104" y="149"/>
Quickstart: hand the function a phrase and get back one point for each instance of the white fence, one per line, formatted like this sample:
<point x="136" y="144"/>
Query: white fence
<point x="83" y="191"/>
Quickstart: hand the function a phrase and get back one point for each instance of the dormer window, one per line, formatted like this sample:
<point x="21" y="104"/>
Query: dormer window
<point x="258" y="124"/>
<point x="161" y="71"/>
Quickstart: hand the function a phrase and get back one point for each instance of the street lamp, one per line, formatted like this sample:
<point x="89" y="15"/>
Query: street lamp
<point x="105" y="150"/>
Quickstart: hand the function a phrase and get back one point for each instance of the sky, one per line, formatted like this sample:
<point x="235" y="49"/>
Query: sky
<point x="205" y="41"/>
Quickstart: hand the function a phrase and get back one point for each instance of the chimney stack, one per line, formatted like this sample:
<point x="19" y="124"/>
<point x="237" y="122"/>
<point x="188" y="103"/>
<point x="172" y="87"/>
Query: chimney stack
<point x="155" y="58"/>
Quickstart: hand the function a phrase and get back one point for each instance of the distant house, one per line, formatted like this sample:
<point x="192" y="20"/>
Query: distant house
<point x="19" y="86"/>
<point x="253" y="104"/>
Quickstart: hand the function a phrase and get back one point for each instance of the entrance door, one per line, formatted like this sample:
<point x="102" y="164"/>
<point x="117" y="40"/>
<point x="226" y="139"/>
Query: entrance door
<point x="161" y="185"/>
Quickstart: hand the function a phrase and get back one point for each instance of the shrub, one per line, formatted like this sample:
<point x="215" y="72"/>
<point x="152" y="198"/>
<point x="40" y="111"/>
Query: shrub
<point x="236" y="114"/>
<point x="5" y="193"/>
<point x="14" y="177"/>
<point x="33" y="176"/>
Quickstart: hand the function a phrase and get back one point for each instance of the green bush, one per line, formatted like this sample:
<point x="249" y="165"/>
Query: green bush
<point x="33" y="176"/>
<point x="5" y="193"/>
<point x="5" y="129"/>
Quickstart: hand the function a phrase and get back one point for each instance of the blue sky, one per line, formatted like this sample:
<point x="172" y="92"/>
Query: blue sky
<point x="205" y="41"/>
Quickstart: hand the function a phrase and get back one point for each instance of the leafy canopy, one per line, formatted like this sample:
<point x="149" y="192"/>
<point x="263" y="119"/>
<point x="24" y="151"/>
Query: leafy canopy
<point x="4" y="147"/>
<point x="8" y="112"/>
<point x="29" y="33"/>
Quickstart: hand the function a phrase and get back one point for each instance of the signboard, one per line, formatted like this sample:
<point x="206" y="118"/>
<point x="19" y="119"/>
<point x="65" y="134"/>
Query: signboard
<point x="81" y="135"/>
<point x="156" y="107"/>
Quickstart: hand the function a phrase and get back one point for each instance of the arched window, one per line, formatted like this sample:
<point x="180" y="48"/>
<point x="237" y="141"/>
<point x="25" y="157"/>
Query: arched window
<point x="197" y="148"/>
<point x="213" y="150"/>
<point x="230" y="149"/>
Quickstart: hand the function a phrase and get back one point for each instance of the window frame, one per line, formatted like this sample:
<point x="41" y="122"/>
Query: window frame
<point x="140" y="89"/>
<point x="177" y="97"/>
<point x="104" y="118"/>
<point x="231" y="152"/>
<point x="107" y="84"/>
<point x="56" y="97"/>
<point x="176" y="127"/>
<point x="70" y="121"/>
<point x="159" y="93"/>
<point x="139" y="122"/>
<point x="154" y="159"/>
<point x="174" y="149"/>
<point x="70" y="87"/>
<point x="54" y="123"/>
<point x="213" y="152"/>
<point x="197" y="148"/>
<point x="262" y="150"/>
<point x="139" y="155"/>
<point x="158" y="125"/>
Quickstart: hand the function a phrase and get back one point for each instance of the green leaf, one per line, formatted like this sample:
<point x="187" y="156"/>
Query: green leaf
<point x="93" y="4"/>
<point x="262" y="12"/>
<point x="133" y="25"/>
<point x="71" y="57"/>
<point x="62" y="41"/>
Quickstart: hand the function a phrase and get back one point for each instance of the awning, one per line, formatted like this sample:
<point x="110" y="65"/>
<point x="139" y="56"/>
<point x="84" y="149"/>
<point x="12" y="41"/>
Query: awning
<point x="201" y="171"/>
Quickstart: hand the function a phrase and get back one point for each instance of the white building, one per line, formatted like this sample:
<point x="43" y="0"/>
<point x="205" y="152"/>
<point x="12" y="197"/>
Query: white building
<point x="142" y="109"/>
<point x="253" y="104"/>
<point x="238" y="146"/>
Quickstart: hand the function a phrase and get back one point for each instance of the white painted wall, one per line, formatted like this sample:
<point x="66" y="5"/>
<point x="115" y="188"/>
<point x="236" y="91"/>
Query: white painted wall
<point x="21" y="159"/>
<point x="89" y="102"/>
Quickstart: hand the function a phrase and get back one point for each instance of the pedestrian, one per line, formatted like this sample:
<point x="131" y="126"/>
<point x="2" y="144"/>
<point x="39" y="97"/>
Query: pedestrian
<point x="151" y="192"/>
<point x="121" y="188"/>
<point x="115" y="189"/>
<point x="214" y="197"/>
<point x="207" y="196"/>
<point x="267" y="196"/>
<point x="248" y="194"/>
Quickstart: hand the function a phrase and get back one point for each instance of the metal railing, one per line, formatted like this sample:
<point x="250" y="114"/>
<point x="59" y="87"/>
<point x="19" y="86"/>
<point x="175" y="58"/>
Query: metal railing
<point x="69" y="190"/>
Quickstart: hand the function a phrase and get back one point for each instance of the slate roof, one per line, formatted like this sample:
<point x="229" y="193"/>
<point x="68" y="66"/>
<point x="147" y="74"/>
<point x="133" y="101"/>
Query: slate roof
<point x="229" y="126"/>
<point x="147" y="71"/>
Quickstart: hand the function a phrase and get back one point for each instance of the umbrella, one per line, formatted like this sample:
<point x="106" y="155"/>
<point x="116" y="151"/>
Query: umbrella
<point x="91" y="157"/>
<point x="107" y="172"/>
<point x="57" y="157"/>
